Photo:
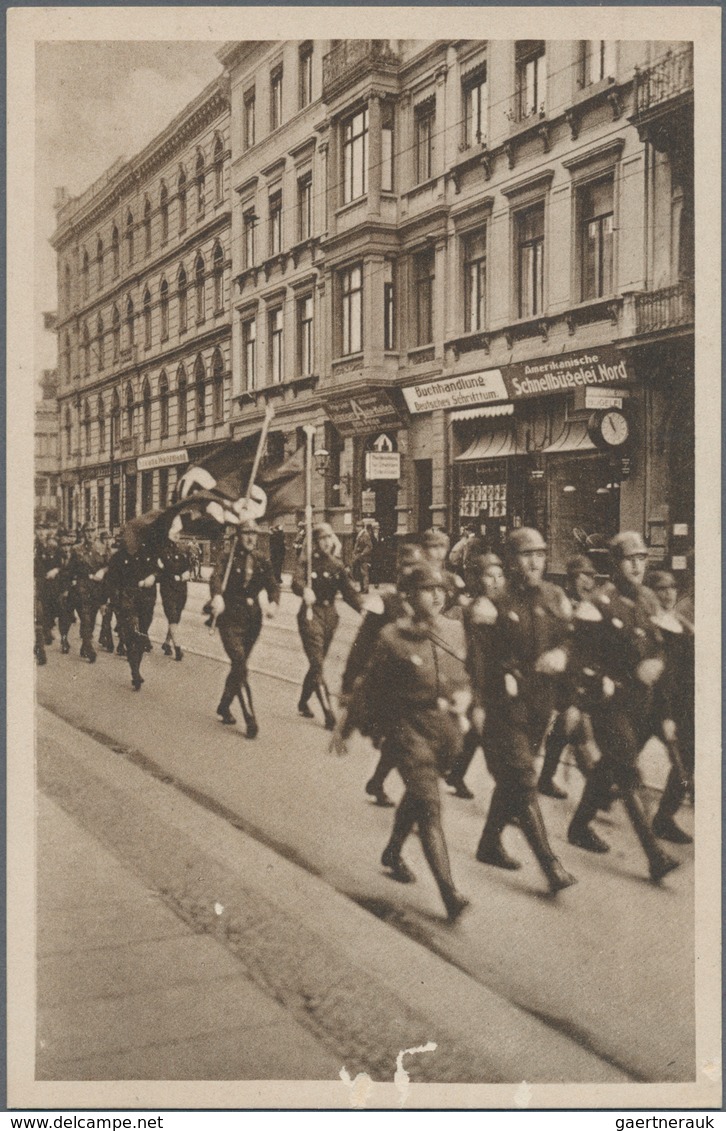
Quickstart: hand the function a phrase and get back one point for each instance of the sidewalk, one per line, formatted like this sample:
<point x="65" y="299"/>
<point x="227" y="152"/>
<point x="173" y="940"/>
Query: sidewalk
<point x="127" y="990"/>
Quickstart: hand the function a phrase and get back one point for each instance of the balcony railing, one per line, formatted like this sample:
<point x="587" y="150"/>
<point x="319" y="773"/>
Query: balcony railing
<point x="351" y="57"/>
<point x="664" y="309"/>
<point x="664" y="81"/>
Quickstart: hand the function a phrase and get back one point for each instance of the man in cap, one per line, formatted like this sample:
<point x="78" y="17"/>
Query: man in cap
<point x="528" y="641"/>
<point x="239" y="616"/>
<point x="88" y="567"/>
<point x="626" y="652"/>
<point x="435" y="547"/>
<point x="412" y="696"/>
<point x="317" y="617"/>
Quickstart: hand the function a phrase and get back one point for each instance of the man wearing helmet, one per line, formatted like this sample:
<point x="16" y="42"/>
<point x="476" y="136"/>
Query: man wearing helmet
<point x="239" y="615"/>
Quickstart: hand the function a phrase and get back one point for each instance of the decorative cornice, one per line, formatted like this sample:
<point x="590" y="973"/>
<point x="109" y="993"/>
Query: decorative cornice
<point x="608" y="151"/>
<point x="540" y="179"/>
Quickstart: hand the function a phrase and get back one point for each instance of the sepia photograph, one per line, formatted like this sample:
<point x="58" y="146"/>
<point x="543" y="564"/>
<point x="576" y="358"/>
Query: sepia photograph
<point x="375" y="553"/>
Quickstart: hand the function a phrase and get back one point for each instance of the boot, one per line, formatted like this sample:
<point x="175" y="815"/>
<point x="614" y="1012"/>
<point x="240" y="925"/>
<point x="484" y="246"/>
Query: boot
<point x="659" y="862"/>
<point x="321" y="690"/>
<point x="166" y="648"/>
<point x="40" y="655"/>
<point x="307" y="690"/>
<point x="491" y="850"/>
<point x="400" y="871"/>
<point x="375" y="786"/>
<point x="664" y="825"/>
<point x="90" y="654"/>
<point x="579" y="833"/>
<point x="136" y="679"/>
<point x="224" y="712"/>
<point x="65" y="646"/>
<point x="178" y="654"/>
<point x="455" y="776"/>
<point x="374" y="789"/>
<point x="245" y="698"/>
<point x="554" y="745"/>
<point x="437" y="858"/>
<point x="533" y="827"/>
<point x="403" y="822"/>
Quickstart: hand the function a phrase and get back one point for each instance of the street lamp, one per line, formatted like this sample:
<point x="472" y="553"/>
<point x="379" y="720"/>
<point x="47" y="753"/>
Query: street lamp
<point x="322" y="460"/>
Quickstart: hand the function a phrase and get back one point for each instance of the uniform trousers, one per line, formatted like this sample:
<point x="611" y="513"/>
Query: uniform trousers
<point x="173" y="599"/>
<point x="135" y="612"/>
<point x="316" y="635"/>
<point x="239" y="626"/>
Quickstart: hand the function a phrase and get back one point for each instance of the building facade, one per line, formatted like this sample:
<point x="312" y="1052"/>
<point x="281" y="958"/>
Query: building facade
<point x="144" y="318"/>
<point x="47" y="455"/>
<point x="469" y="264"/>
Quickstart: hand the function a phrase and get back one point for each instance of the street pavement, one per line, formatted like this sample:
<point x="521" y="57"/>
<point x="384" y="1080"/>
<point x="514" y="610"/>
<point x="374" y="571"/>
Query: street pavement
<point x="608" y="965"/>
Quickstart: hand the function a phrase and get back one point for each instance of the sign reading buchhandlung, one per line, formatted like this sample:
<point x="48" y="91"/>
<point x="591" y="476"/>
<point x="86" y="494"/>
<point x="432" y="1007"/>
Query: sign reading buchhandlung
<point x="600" y="365"/>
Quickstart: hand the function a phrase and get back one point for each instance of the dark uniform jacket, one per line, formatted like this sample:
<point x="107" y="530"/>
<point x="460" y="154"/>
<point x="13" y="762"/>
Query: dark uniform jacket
<point x="173" y="563"/>
<point x="126" y="570"/>
<point x="329" y="577"/>
<point x="249" y="575"/>
<point x="392" y="608"/>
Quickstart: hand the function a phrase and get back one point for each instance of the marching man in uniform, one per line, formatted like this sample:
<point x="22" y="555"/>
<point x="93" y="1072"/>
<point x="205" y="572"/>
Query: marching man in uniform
<point x="132" y="580"/>
<point x="88" y="566"/>
<point x="238" y="614"/>
<point x="175" y="573"/>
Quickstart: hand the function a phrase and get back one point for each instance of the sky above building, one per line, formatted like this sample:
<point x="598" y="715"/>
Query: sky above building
<point x="95" y="102"/>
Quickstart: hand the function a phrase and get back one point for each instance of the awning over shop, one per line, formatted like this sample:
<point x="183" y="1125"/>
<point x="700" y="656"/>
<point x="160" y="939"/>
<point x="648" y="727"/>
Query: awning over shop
<point x="483" y="411"/>
<point x="573" y="438"/>
<point x="491" y="445"/>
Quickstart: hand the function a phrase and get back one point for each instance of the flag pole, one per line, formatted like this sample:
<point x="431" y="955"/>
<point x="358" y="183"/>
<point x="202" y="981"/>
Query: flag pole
<point x="310" y="437"/>
<point x="269" y="413"/>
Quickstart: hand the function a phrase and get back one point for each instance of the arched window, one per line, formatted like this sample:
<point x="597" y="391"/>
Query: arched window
<point x="100" y="344"/>
<point x="218" y="275"/>
<point x="116" y="332"/>
<point x="84" y="274"/>
<point x="147" y="226"/>
<point x="199" y="287"/>
<point x="99" y="263"/>
<point x="199" y="180"/>
<point x="181" y="400"/>
<point x="182" y="288"/>
<point x="130" y="329"/>
<point x="129" y="238"/>
<point x="101" y="425"/>
<point x="147" y="319"/>
<point x="182" y="195"/>
<point x="146" y="410"/>
<point x="87" y="428"/>
<point x="114" y="251"/>
<point x="200" y="390"/>
<point x="164" y="309"/>
<point x="129" y="410"/>
<point x="115" y="420"/>
<point x="163" y="405"/>
<point x="217" y="387"/>
<point x="67" y="356"/>
<point x="68" y="431"/>
<point x="218" y="169"/>
<point x="164" y="210"/>
<point x="86" y="349"/>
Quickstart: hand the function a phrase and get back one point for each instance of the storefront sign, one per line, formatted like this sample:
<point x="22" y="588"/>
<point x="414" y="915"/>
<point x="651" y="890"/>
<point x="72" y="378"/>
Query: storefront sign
<point x="383" y="465"/>
<point x="457" y="392"/>
<point x="368" y="502"/>
<point x="603" y="398"/>
<point x="362" y="413"/>
<point x="162" y="459"/>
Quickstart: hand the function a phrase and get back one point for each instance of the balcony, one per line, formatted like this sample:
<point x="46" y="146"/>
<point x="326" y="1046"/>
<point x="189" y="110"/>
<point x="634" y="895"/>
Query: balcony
<point x="351" y="59"/>
<point x="667" y="309"/>
<point x="663" y="100"/>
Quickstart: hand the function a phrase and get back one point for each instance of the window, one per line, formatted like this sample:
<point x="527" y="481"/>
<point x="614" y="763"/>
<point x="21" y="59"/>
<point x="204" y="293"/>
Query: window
<point x="250" y="223"/>
<point x="115" y="420"/>
<point x="275" y="212"/>
<point x="101" y="426"/>
<point x="199" y="288"/>
<point x="68" y="285"/>
<point x="163" y="405"/>
<point x="129" y="239"/>
<point x="355" y="156"/>
<point x="530" y="251"/>
<point x="200" y="390"/>
<point x="87" y="428"/>
<point x="164" y="210"/>
<point x="389" y="309"/>
<point x="249" y="119"/>
<point x="115" y="251"/>
<point x="147" y="491"/>
<point x="218" y="277"/>
<point x="116" y="333"/>
<point x="305" y="73"/>
<point x="597" y="60"/>
<point x="305" y="206"/>
<point x="164" y="309"/>
<point x="99" y="264"/>
<point x="100" y="343"/>
<point x="218" y="158"/>
<point x="68" y="430"/>
<point x="217" y="387"/>
<point x="423" y="272"/>
<point x="199" y="181"/>
<point x="474" y="91"/>
<point x="305" y="336"/>
<point x="276" y="98"/>
<point x="86" y="350"/>
<point x="84" y="274"/>
<point x="387" y="150"/>
<point x="181" y="191"/>
<point x="596" y="239"/>
<point x="147" y="319"/>
<point x="530" y="78"/>
<point x="276" y="346"/>
<point x="146" y="411"/>
<point x="181" y="400"/>
<point x="182" y="292"/>
<point x="425" y="119"/>
<point x="147" y="227"/>
<point x="163" y="487"/>
<point x="129" y="411"/>
<point x="67" y="356"/>
<point x="249" y="352"/>
<point x="130" y="329"/>
<point x="475" y="275"/>
<point x="352" y="310"/>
